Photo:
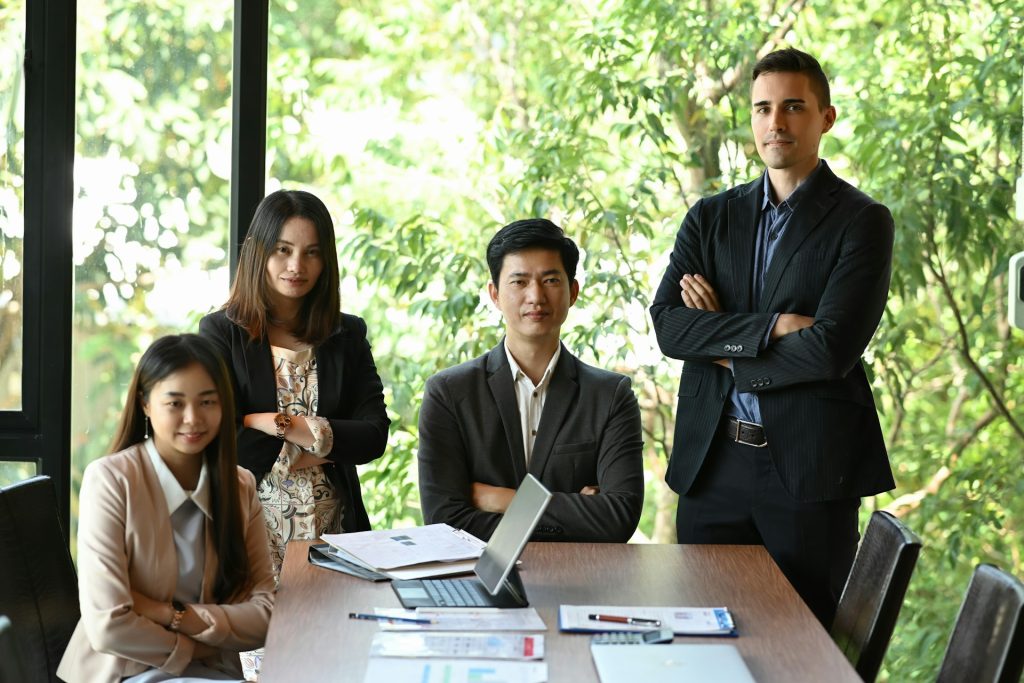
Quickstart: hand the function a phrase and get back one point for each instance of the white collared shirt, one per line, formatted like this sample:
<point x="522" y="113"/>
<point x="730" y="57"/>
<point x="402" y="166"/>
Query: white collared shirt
<point x="530" y="398"/>
<point x="174" y="494"/>
<point x="188" y="511"/>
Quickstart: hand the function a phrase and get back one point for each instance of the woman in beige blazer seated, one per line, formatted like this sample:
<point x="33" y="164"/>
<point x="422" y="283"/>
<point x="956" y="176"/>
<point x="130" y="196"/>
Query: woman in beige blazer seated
<point x="173" y="564"/>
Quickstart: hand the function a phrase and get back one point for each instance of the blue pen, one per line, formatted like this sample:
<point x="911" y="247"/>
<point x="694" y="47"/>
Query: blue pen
<point x="382" y="617"/>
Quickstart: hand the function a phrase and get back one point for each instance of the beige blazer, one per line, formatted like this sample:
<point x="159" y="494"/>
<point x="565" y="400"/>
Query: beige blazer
<point x="125" y="544"/>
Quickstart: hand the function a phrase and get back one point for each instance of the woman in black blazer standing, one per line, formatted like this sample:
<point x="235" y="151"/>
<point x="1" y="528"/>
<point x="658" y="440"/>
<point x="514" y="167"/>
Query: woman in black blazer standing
<point x="308" y="396"/>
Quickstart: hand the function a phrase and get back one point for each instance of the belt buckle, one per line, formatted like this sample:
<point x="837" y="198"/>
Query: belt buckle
<point x="740" y="423"/>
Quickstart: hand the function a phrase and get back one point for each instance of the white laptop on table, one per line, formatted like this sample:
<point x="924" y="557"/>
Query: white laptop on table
<point x="497" y="582"/>
<point x="676" y="663"/>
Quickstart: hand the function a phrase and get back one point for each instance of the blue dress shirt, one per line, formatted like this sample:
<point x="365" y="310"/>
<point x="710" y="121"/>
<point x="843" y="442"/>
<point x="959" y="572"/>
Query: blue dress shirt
<point x="770" y="228"/>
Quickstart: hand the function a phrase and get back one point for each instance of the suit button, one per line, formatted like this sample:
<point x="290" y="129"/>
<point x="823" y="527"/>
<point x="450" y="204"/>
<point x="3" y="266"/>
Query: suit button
<point x="767" y="380"/>
<point x="727" y="348"/>
<point x="739" y="347"/>
<point x="753" y="382"/>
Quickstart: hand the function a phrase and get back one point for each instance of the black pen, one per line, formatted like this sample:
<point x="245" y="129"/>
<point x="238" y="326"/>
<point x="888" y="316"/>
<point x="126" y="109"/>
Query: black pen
<point x="638" y="621"/>
<point x="383" y="617"/>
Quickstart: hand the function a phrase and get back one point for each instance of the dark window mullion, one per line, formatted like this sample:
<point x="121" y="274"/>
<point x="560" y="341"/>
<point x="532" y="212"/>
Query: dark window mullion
<point x="248" y="118"/>
<point x="41" y="431"/>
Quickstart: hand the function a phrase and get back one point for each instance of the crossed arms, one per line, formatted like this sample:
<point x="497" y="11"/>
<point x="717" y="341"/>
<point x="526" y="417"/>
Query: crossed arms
<point x="467" y="476"/>
<point x="821" y="329"/>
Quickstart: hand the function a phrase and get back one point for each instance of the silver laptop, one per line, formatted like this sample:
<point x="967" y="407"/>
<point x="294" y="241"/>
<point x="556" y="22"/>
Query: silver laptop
<point x="497" y="583"/>
<point x="678" y="663"/>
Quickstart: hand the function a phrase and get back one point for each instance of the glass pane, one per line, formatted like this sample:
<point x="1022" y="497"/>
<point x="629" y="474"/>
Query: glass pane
<point x="151" y="215"/>
<point x="12" y="472"/>
<point x="12" y="223"/>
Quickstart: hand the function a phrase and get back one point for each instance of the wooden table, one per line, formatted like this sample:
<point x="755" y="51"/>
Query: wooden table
<point x="311" y="638"/>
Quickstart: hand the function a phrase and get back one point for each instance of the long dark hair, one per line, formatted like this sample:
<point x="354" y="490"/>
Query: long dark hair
<point x="164" y="357"/>
<point x="249" y="302"/>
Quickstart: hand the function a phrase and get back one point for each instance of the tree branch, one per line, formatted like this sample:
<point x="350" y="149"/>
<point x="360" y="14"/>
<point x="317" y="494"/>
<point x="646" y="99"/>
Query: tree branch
<point x="901" y="505"/>
<point x="965" y="344"/>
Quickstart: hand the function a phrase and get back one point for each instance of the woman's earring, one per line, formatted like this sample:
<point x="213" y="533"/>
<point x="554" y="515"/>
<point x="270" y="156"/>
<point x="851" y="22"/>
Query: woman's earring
<point x="147" y="427"/>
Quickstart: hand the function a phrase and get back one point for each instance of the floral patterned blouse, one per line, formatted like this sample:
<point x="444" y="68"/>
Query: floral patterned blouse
<point x="299" y="502"/>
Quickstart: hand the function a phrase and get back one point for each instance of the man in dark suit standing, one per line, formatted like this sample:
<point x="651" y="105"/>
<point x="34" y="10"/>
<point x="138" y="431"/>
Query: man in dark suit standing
<point x="772" y="292"/>
<point x="529" y="405"/>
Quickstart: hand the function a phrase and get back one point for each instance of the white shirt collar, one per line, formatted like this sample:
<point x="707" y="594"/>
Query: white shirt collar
<point x="174" y="494"/>
<point x="517" y="371"/>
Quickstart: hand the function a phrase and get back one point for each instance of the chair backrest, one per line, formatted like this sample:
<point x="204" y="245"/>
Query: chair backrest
<point x="874" y="592"/>
<point x="11" y="670"/>
<point x="987" y="643"/>
<point x="38" y="585"/>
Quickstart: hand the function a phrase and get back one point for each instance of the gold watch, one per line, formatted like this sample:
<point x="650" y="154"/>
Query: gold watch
<point x="281" y="423"/>
<point x="179" y="614"/>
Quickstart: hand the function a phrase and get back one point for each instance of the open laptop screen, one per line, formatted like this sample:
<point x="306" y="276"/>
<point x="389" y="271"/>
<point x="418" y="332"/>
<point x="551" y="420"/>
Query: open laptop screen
<point x="512" y="533"/>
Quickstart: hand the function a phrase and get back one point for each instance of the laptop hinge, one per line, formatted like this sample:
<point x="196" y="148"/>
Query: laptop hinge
<point x="513" y="586"/>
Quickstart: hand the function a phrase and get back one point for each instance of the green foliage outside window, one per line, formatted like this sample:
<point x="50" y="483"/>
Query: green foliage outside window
<point x="427" y="125"/>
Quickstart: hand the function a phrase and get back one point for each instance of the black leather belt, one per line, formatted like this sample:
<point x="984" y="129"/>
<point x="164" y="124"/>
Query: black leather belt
<point x="741" y="431"/>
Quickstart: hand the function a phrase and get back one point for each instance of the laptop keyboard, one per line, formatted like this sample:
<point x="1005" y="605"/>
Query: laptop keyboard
<point x="456" y="593"/>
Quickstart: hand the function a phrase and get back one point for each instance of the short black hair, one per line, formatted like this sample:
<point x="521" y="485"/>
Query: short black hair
<point x="531" y="233"/>
<point x="791" y="60"/>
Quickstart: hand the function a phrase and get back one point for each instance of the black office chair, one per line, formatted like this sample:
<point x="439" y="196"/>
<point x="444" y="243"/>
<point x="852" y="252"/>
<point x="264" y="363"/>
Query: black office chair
<point x="874" y="592"/>
<point x="987" y="643"/>
<point x="11" y="670"/>
<point x="38" y="585"/>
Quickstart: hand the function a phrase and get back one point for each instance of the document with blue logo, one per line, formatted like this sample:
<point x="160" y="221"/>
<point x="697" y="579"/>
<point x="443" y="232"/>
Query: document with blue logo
<point x="684" y="621"/>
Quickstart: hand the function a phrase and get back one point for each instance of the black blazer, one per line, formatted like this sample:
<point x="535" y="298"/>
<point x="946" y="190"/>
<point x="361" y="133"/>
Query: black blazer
<point x="589" y="435"/>
<point x="833" y="263"/>
<point x="350" y="396"/>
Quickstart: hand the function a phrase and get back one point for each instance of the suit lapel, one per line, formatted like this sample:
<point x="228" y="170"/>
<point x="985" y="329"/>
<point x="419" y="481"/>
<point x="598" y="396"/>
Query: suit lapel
<point x="499" y="380"/>
<point x="330" y="367"/>
<point x="819" y="198"/>
<point x="562" y="395"/>
<point x="741" y="233"/>
<point x="259" y="371"/>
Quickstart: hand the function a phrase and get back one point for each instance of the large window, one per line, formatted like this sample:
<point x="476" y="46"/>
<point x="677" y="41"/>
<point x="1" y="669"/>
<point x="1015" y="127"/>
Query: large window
<point x="152" y="166"/>
<point x="12" y="223"/>
<point x="12" y="202"/>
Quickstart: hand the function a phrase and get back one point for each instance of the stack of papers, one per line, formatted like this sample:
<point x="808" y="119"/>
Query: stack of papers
<point x="684" y="621"/>
<point x="454" y="671"/>
<point x="462" y="619"/>
<point x="464" y="652"/>
<point x="413" y="553"/>
<point x="458" y="644"/>
<point x="323" y="555"/>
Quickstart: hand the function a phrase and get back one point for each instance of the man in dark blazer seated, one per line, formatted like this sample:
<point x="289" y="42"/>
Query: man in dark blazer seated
<point x="772" y="292"/>
<point x="531" y="406"/>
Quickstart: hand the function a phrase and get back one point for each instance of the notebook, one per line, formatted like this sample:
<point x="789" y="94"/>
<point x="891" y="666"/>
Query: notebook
<point x="677" y="663"/>
<point x="497" y="582"/>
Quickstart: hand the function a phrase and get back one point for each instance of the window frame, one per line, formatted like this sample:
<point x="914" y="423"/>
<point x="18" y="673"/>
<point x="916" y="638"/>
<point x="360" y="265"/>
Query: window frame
<point x="41" y="431"/>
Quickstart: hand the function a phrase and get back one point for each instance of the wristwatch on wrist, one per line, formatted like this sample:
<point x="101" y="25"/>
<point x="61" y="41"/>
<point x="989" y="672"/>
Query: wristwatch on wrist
<point x="179" y="614"/>
<point x="281" y="423"/>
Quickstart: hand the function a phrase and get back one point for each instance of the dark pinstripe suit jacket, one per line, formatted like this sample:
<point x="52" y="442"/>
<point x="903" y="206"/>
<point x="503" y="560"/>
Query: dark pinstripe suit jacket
<point x="832" y="263"/>
<point x="589" y="434"/>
